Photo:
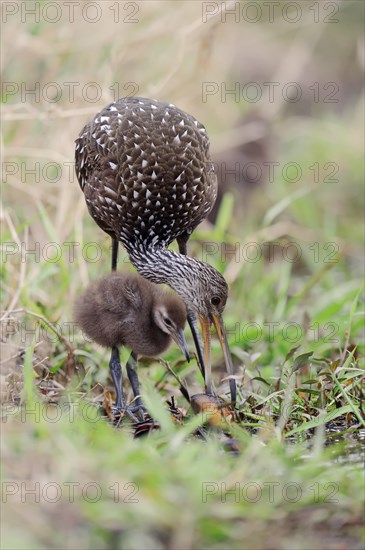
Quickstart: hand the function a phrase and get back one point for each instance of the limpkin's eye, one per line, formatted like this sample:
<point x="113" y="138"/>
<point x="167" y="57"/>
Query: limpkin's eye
<point x="167" y="322"/>
<point x="215" y="301"/>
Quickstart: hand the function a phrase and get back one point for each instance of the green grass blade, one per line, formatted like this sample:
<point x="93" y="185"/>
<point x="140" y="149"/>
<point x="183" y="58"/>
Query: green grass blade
<point x="321" y="419"/>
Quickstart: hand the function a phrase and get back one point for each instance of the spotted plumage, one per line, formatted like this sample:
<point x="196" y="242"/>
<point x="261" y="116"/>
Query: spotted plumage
<point x="146" y="173"/>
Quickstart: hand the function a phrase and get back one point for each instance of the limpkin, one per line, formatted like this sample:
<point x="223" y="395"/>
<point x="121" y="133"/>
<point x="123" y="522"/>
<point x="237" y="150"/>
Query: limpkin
<point x="127" y="310"/>
<point x="146" y="173"/>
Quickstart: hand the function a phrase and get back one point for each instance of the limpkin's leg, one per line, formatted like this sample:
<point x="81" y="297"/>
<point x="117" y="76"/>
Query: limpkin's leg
<point x="116" y="372"/>
<point x="131" y="367"/>
<point x="114" y="363"/>
<point x="115" y="245"/>
<point x="182" y="242"/>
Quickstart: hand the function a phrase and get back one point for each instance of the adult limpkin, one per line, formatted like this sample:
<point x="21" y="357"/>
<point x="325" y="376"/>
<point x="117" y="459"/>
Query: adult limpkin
<point x="145" y="170"/>
<point x="124" y="309"/>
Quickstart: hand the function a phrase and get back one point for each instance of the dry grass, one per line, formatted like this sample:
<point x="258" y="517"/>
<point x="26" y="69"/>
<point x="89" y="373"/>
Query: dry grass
<point x="171" y="54"/>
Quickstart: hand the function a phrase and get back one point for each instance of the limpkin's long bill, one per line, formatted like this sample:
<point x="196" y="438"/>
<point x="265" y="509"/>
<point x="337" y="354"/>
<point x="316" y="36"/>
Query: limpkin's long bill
<point x="179" y="339"/>
<point x="222" y="336"/>
<point x="196" y="337"/>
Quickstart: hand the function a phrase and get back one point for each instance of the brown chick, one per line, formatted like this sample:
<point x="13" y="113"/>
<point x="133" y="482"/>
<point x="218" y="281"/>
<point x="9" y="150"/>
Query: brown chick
<point x="124" y="309"/>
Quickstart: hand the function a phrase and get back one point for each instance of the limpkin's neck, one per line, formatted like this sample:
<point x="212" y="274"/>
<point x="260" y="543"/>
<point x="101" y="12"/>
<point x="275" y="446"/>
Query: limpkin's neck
<point x="162" y="266"/>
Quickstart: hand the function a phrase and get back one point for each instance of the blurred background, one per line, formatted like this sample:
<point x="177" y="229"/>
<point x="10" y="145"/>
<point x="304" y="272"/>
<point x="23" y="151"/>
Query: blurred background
<point x="279" y="87"/>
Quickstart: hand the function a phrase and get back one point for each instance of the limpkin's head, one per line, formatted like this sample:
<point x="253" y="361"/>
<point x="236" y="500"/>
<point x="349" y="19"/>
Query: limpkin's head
<point x="169" y="314"/>
<point x="205" y="292"/>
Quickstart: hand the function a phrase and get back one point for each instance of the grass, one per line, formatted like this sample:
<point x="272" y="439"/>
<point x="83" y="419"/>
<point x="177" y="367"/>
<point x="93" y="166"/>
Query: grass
<point x="286" y="472"/>
<point x="169" y="491"/>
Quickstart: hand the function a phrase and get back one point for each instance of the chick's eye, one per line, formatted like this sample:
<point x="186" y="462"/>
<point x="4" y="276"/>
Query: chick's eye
<point x="215" y="301"/>
<point x="167" y="322"/>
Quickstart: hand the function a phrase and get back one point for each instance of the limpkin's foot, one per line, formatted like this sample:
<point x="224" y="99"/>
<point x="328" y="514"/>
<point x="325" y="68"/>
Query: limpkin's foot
<point x="139" y="409"/>
<point x="135" y="411"/>
<point x="120" y="412"/>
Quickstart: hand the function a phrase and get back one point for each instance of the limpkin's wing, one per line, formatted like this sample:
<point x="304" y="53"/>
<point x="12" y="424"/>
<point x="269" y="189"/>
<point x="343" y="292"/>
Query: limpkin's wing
<point x="145" y="169"/>
<point x="124" y="293"/>
<point x="134" y="296"/>
<point x="95" y="162"/>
